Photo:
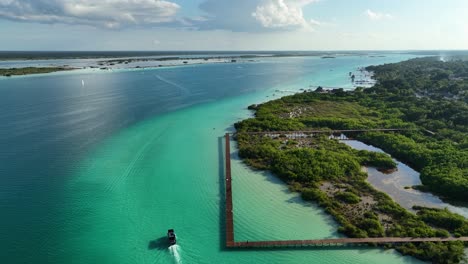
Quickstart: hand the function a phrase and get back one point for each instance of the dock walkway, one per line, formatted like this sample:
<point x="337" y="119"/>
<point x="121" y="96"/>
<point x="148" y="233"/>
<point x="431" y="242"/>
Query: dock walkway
<point x="231" y="243"/>
<point x="229" y="208"/>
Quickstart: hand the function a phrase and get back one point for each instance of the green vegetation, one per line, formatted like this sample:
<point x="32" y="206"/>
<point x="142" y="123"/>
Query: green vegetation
<point x="31" y="70"/>
<point x="442" y="218"/>
<point x="422" y="94"/>
<point x="348" y="197"/>
<point x="418" y="95"/>
<point x="432" y="95"/>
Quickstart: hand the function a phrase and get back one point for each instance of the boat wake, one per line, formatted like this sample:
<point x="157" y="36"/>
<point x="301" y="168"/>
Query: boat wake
<point x="184" y="91"/>
<point x="175" y="252"/>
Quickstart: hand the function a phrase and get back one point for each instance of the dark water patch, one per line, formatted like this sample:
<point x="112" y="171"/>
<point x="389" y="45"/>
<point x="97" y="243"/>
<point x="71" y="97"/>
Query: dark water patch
<point x="159" y="244"/>
<point x="50" y="124"/>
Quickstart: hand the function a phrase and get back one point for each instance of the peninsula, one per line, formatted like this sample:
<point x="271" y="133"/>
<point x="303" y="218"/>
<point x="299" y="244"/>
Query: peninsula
<point x="425" y="98"/>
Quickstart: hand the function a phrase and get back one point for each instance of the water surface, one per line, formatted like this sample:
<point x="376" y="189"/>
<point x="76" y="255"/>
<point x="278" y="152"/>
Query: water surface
<point x="394" y="185"/>
<point x="98" y="173"/>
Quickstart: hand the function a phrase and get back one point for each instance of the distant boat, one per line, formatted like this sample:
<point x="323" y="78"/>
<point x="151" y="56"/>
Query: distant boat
<point x="82" y="82"/>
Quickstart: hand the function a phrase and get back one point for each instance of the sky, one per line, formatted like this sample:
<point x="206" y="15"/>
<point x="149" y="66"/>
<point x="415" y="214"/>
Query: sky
<point x="233" y="24"/>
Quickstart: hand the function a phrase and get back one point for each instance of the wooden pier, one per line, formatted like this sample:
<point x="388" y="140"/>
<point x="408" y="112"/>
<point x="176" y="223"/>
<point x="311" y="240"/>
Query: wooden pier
<point x="229" y="212"/>
<point x="231" y="243"/>
<point x="341" y="241"/>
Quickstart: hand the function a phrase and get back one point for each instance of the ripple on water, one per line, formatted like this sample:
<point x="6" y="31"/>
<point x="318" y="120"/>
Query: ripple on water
<point x="159" y="174"/>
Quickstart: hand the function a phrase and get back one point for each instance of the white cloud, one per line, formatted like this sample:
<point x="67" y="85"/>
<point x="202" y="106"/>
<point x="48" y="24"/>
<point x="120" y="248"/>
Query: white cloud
<point x="232" y="15"/>
<point x="315" y="22"/>
<point x="376" y="15"/>
<point x="102" y="13"/>
<point x="283" y="14"/>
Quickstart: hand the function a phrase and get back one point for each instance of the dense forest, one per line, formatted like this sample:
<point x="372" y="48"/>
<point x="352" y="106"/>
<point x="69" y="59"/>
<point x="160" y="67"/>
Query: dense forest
<point x="432" y="95"/>
<point x="427" y="97"/>
<point x="426" y="94"/>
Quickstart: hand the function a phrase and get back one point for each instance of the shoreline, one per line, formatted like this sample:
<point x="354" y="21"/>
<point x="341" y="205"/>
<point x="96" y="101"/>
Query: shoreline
<point x="12" y="72"/>
<point x="280" y="214"/>
<point x="118" y="55"/>
<point x="96" y="69"/>
<point x="323" y="171"/>
<point x="85" y="70"/>
<point x="137" y="62"/>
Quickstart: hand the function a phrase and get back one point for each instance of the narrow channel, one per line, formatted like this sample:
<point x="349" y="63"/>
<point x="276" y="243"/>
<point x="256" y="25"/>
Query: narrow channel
<point x="394" y="184"/>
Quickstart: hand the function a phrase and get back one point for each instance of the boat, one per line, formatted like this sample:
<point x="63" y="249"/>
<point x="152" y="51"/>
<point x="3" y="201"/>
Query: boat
<point x="171" y="236"/>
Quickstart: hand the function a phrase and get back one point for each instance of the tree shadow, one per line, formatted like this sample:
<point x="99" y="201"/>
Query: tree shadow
<point x="159" y="243"/>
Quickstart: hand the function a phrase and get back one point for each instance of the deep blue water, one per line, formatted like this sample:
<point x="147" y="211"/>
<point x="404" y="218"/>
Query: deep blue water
<point x="49" y="123"/>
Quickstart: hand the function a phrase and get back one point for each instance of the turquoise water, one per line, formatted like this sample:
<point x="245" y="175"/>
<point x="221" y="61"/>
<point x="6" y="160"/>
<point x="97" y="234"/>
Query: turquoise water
<point x="103" y="176"/>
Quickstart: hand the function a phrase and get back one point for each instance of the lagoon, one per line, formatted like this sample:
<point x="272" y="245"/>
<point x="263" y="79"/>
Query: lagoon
<point x="99" y="172"/>
<point x="398" y="185"/>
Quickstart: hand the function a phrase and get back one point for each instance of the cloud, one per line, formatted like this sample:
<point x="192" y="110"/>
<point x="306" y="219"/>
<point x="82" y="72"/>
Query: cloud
<point x="314" y="22"/>
<point x="233" y="15"/>
<point x="282" y="14"/>
<point x="102" y="13"/>
<point x="376" y="15"/>
<point x="254" y="15"/>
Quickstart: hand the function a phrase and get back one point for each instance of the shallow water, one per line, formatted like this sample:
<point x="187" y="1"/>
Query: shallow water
<point x="98" y="173"/>
<point x="394" y="185"/>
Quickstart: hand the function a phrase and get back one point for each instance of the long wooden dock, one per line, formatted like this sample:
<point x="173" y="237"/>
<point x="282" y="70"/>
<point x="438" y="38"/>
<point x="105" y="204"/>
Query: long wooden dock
<point x="341" y="241"/>
<point x="229" y="212"/>
<point x="231" y="243"/>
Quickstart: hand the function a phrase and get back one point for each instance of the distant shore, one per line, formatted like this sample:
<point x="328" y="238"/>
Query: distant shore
<point x="60" y="55"/>
<point x="20" y="63"/>
<point x="32" y="70"/>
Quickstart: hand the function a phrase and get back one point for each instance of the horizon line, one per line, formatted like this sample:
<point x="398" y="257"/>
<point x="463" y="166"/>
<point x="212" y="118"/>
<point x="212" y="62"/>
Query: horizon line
<point x="240" y="50"/>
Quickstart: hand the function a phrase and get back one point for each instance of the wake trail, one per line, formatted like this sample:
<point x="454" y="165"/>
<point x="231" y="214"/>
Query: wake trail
<point x="175" y="252"/>
<point x="185" y="91"/>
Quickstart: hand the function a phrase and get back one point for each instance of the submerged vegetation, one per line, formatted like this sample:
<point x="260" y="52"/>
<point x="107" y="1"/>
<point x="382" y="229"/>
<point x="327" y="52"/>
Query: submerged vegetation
<point x="425" y="96"/>
<point x="31" y="70"/>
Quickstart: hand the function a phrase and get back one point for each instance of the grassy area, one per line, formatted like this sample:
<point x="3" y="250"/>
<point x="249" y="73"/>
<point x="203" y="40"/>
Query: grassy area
<point x="317" y="109"/>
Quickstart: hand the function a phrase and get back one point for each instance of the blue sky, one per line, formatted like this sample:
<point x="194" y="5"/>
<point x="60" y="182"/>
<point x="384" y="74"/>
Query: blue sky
<point x="233" y="24"/>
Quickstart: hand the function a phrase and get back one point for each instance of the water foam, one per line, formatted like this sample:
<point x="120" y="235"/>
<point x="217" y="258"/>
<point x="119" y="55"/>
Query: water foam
<point x="175" y="252"/>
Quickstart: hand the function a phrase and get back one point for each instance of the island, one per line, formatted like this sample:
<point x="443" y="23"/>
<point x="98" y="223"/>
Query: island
<point x="32" y="70"/>
<point x="417" y="112"/>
